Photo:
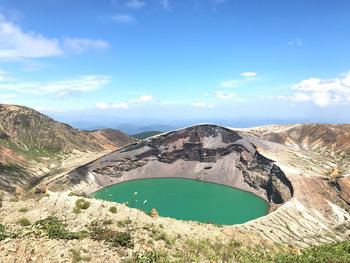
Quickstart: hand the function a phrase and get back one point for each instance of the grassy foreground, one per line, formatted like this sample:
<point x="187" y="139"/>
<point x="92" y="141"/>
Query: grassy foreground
<point x="190" y="250"/>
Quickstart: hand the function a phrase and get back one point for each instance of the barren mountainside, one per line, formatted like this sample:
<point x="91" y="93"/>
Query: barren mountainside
<point x="32" y="144"/>
<point x="204" y="152"/>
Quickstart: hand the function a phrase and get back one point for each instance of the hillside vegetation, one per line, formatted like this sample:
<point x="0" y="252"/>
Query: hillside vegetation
<point x="31" y="228"/>
<point x="145" y="135"/>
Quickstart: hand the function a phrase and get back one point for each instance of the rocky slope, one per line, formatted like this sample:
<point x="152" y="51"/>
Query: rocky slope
<point x="113" y="139"/>
<point x="205" y="152"/>
<point x="33" y="145"/>
<point x="308" y="194"/>
<point x="314" y="159"/>
<point x="301" y="170"/>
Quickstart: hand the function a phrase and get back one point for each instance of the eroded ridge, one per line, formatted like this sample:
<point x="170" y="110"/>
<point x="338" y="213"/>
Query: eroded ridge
<point x="204" y="152"/>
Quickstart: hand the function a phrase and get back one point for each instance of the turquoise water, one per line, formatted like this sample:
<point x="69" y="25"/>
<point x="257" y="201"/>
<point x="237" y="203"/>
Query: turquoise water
<point x="188" y="200"/>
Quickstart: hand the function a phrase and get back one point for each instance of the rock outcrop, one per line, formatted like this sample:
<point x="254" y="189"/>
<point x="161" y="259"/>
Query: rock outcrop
<point x="204" y="152"/>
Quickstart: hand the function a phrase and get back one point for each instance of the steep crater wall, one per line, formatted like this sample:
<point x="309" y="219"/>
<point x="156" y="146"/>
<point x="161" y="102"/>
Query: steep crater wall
<point x="204" y="152"/>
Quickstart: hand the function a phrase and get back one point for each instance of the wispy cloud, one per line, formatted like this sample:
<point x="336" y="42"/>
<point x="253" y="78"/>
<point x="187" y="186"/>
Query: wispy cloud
<point x="202" y="104"/>
<point x="232" y="83"/>
<point x="79" y="45"/>
<point x="124" y="18"/>
<point x="165" y="3"/>
<point x="136" y="4"/>
<point x="102" y="105"/>
<point x="59" y="88"/>
<point x="6" y="96"/>
<point x="15" y="43"/>
<point x="5" y="76"/>
<point x="324" y="92"/>
<point x="124" y="105"/>
<point x="249" y="74"/>
<point x="236" y="83"/>
<point x="224" y="95"/>
<point x="296" y="42"/>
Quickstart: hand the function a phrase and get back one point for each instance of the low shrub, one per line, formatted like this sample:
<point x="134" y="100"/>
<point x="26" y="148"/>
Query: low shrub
<point x="2" y="232"/>
<point x="113" y="209"/>
<point x="23" y="210"/>
<point x="14" y="199"/>
<point x="55" y="228"/>
<point x="107" y="222"/>
<point x="81" y="204"/>
<point x="123" y="223"/>
<point x="149" y="256"/>
<point x="115" y="238"/>
<point x="77" y="257"/>
<point x="23" y="221"/>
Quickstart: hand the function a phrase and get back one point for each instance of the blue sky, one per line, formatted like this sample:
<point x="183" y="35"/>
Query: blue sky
<point x="162" y="60"/>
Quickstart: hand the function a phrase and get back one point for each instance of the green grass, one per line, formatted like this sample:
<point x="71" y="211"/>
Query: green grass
<point x="115" y="238"/>
<point x="113" y="209"/>
<point x="23" y="221"/>
<point x="81" y="204"/>
<point x="77" y="257"/>
<point x="145" y="135"/>
<point x="23" y="210"/>
<point x="54" y="228"/>
<point x="2" y="232"/>
<point x="14" y="199"/>
<point x="107" y="222"/>
<point x="123" y="223"/>
<point x="209" y="251"/>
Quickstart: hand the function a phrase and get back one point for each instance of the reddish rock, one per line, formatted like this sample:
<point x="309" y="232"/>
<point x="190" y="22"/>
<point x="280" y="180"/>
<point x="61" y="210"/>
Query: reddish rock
<point x="154" y="213"/>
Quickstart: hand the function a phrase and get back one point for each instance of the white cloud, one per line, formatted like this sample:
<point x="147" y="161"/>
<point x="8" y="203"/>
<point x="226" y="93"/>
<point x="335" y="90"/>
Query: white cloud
<point x="249" y="74"/>
<point x="79" y="45"/>
<point x="224" y="95"/>
<point x="124" y="105"/>
<point x="5" y="76"/>
<point x="124" y="18"/>
<point x="324" y="92"/>
<point x="231" y="83"/>
<point x="202" y="104"/>
<point x="296" y="42"/>
<point x="165" y="4"/>
<point x="102" y="105"/>
<point x="135" y="4"/>
<point x="145" y="98"/>
<point x="199" y="104"/>
<point x="235" y="83"/>
<point x="60" y="88"/>
<point x="6" y="96"/>
<point x="301" y="97"/>
<point x="15" y="43"/>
